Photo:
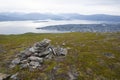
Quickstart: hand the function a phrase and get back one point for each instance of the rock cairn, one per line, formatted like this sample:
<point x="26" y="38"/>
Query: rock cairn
<point x="34" y="56"/>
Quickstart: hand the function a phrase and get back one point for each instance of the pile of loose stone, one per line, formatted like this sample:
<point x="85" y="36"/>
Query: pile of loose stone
<point x="34" y="56"/>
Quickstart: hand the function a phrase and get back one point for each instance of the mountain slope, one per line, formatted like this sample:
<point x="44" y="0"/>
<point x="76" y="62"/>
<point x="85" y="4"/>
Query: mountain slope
<point x="84" y="27"/>
<point x="45" y="16"/>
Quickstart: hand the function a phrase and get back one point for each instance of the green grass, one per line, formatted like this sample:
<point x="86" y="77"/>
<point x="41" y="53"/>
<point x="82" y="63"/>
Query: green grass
<point x="86" y="55"/>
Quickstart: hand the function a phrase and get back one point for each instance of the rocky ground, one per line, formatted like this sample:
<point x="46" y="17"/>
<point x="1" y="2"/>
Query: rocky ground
<point x="66" y="56"/>
<point x="34" y="57"/>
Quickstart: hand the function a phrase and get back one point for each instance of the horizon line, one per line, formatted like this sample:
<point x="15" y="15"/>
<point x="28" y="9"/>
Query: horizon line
<point x="60" y="13"/>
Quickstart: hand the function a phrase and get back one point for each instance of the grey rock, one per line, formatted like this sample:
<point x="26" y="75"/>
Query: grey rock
<point x="36" y="54"/>
<point x="34" y="64"/>
<point x="34" y="58"/>
<point x="40" y="45"/>
<point x="109" y="55"/>
<point x="73" y="75"/>
<point x="24" y="61"/>
<point x="22" y="55"/>
<point x="44" y="43"/>
<point x="35" y="49"/>
<point x="16" y="61"/>
<point x="4" y="76"/>
<point x="28" y="53"/>
<point x="50" y="56"/>
<point x="60" y="51"/>
<point x="63" y="51"/>
<point x="32" y="49"/>
<point x="52" y="50"/>
<point x="22" y="66"/>
<point x="14" y="77"/>
<point x="43" y="54"/>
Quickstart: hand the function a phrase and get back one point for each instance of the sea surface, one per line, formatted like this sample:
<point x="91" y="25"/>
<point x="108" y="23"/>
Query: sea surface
<point x="21" y="27"/>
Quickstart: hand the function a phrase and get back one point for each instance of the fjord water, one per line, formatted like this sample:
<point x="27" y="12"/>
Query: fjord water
<point x="20" y="27"/>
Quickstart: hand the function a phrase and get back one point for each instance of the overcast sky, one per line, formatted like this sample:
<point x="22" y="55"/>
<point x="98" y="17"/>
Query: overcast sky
<point x="62" y="6"/>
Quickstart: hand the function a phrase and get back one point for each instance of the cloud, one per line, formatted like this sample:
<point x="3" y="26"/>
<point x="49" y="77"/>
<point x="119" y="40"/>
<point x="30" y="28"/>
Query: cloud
<point x="62" y="6"/>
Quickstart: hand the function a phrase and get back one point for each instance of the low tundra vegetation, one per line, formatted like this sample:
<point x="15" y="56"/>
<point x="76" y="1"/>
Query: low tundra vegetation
<point x="91" y="56"/>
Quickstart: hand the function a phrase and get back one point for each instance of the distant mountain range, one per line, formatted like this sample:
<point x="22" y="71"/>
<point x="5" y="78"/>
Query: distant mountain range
<point x="39" y="16"/>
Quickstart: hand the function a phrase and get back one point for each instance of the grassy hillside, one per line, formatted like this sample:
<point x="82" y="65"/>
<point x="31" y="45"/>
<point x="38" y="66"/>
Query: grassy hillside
<point x="91" y="56"/>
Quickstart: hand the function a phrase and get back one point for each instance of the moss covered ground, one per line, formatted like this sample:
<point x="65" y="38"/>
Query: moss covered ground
<point x="92" y="56"/>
